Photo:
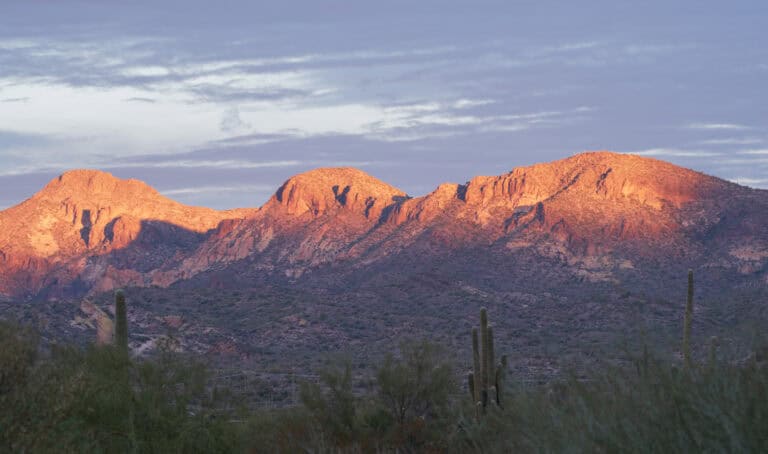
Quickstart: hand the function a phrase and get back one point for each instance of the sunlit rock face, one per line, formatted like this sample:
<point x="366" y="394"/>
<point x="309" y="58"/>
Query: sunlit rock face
<point x="595" y="216"/>
<point x="47" y="240"/>
<point x="322" y="191"/>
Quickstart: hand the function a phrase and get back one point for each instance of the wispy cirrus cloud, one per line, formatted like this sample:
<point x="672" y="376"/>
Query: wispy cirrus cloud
<point x="752" y="182"/>
<point x="194" y="190"/>
<point x="656" y="49"/>
<point x="732" y="141"/>
<point x="419" y="121"/>
<point x="717" y="126"/>
<point x="676" y="152"/>
<point x="222" y="164"/>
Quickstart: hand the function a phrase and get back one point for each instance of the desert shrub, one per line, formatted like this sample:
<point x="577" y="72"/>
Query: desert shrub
<point x="652" y="406"/>
<point x="17" y="356"/>
<point x="68" y="399"/>
<point x="98" y="400"/>
<point x="333" y="404"/>
<point x="285" y="430"/>
<point x="410" y="409"/>
<point x="415" y="391"/>
<point x="328" y="419"/>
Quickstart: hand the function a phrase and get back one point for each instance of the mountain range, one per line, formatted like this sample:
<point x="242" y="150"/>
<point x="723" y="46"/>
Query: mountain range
<point x="569" y="257"/>
<point x="596" y="217"/>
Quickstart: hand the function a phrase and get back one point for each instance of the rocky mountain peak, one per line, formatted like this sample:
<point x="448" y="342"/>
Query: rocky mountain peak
<point x="609" y="175"/>
<point x="89" y="184"/>
<point x="92" y="210"/>
<point x="327" y="189"/>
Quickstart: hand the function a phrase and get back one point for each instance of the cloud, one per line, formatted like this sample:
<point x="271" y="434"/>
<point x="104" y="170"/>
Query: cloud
<point x="225" y="93"/>
<point x="541" y="51"/>
<point x="256" y="138"/>
<point x="732" y="141"/>
<point x="149" y="89"/>
<point x="750" y="163"/>
<point x="762" y="151"/>
<point x="9" y="100"/>
<point x="156" y="64"/>
<point x="717" y="126"/>
<point x="141" y="99"/>
<point x="752" y="182"/>
<point x="231" y="121"/>
<point x="212" y="164"/>
<point x="145" y="71"/>
<point x="10" y="44"/>
<point x="32" y="169"/>
<point x="242" y="188"/>
<point x="465" y="103"/>
<point x="676" y="152"/>
<point x="410" y="122"/>
<point x="654" y="49"/>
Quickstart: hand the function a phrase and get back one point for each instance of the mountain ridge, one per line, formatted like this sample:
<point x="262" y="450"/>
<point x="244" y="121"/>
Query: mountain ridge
<point x="596" y="212"/>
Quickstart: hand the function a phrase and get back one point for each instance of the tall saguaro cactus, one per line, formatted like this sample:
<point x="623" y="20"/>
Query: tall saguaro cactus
<point x="486" y="376"/>
<point x="121" y="341"/>
<point x="121" y="321"/>
<point x="687" y="322"/>
<point x="476" y="385"/>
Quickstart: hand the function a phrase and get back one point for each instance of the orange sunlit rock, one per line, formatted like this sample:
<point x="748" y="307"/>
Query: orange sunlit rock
<point x="89" y="231"/>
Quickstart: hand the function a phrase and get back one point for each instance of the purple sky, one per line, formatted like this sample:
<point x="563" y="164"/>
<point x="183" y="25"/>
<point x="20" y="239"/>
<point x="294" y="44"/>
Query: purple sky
<point x="217" y="103"/>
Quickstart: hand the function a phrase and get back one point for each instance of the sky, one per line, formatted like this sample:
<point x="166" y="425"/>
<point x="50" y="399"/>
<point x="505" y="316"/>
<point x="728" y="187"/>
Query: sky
<point x="218" y="103"/>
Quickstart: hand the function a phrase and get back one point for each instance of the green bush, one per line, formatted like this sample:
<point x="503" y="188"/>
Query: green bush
<point x="415" y="391"/>
<point x="410" y="410"/>
<point x="98" y="400"/>
<point x="654" y="406"/>
<point x="333" y="404"/>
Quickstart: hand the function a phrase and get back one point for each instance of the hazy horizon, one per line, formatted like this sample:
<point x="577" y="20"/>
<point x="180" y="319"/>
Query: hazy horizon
<point x="216" y="105"/>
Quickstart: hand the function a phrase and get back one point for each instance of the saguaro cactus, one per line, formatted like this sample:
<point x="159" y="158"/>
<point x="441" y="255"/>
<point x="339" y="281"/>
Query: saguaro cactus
<point x="121" y="341"/>
<point x="476" y="377"/>
<point x="121" y="321"/>
<point x="486" y="376"/>
<point x="687" y="322"/>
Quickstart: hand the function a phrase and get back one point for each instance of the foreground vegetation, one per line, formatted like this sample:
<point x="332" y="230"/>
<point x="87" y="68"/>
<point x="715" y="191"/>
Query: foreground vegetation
<point x="66" y="399"/>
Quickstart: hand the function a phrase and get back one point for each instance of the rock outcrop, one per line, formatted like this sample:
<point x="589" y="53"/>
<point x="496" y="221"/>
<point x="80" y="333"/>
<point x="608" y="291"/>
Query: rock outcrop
<point x="323" y="191"/>
<point x="87" y="213"/>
